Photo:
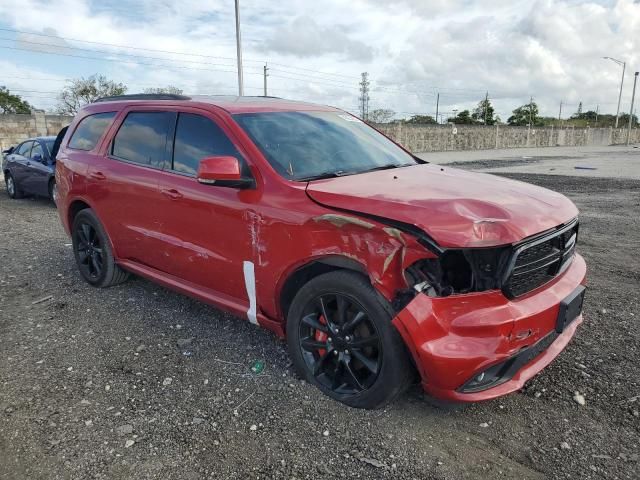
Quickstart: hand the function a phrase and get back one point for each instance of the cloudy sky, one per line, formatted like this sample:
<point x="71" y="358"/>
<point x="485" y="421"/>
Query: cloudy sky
<point x="316" y="50"/>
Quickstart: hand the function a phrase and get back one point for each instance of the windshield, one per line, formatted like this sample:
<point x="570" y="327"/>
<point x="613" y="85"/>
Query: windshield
<point x="312" y="145"/>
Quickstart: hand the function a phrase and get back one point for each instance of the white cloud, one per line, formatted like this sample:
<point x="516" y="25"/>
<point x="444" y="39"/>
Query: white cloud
<point x="548" y="49"/>
<point x="303" y="37"/>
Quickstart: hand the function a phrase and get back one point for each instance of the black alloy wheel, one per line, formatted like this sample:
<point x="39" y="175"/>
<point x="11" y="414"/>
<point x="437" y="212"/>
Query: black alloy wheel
<point x="340" y="344"/>
<point x="341" y="339"/>
<point x="92" y="250"/>
<point x="89" y="250"/>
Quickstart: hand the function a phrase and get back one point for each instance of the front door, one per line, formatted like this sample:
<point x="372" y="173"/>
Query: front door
<point x="18" y="163"/>
<point x="38" y="171"/>
<point x="208" y="230"/>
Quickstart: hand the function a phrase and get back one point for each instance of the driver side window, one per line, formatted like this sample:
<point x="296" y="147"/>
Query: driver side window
<point x="198" y="137"/>
<point x="24" y="149"/>
<point x="37" y="150"/>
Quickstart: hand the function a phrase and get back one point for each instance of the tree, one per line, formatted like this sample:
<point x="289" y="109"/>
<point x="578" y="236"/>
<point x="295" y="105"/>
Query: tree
<point x="525" y="113"/>
<point x="170" y="89"/>
<point x="463" y="118"/>
<point x="588" y="115"/>
<point x="624" y="119"/>
<point x="381" y="115"/>
<point x="82" y="91"/>
<point x="10" y="103"/>
<point x="421" y="120"/>
<point x="484" y="113"/>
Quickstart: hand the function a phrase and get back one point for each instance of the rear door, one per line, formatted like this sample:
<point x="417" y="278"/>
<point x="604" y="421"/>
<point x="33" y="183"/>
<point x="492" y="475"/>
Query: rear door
<point x="123" y="184"/>
<point x="206" y="229"/>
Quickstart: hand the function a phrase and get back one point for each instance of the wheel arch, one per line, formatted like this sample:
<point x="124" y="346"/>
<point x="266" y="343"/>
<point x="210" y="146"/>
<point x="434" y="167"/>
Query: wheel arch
<point x="74" y="208"/>
<point x="311" y="269"/>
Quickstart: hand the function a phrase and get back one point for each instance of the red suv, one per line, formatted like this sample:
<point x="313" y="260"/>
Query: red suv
<point x="373" y="264"/>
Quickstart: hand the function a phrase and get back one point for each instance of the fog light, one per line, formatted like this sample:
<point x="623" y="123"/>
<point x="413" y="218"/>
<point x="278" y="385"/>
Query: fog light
<point x="487" y="379"/>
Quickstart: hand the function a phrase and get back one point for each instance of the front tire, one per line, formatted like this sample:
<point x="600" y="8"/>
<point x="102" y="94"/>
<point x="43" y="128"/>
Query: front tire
<point x="341" y="339"/>
<point x="93" y="253"/>
<point x="13" y="190"/>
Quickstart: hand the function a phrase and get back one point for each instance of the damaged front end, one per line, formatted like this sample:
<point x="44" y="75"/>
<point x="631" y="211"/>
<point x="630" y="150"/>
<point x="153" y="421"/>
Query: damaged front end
<point x="470" y="340"/>
<point x="460" y="271"/>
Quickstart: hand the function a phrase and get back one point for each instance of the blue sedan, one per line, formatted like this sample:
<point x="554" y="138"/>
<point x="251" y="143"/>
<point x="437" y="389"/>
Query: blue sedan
<point x="29" y="168"/>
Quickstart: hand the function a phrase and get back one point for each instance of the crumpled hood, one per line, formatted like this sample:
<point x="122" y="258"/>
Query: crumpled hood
<point x="454" y="207"/>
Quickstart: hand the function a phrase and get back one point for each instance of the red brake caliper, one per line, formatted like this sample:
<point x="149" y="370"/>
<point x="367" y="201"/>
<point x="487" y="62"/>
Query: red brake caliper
<point x="321" y="336"/>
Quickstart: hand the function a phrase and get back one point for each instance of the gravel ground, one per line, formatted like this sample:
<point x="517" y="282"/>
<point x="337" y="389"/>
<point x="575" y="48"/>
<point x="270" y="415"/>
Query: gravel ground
<point x="139" y="382"/>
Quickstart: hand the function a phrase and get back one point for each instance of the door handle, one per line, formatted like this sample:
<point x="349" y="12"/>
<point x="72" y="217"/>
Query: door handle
<point x="97" y="175"/>
<point x="28" y="164"/>
<point x="172" y="193"/>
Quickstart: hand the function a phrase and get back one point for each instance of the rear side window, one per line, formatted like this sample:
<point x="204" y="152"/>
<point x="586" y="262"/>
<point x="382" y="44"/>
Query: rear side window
<point x="24" y="149"/>
<point x="198" y="137"/>
<point x="142" y="138"/>
<point x="89" y="130"/>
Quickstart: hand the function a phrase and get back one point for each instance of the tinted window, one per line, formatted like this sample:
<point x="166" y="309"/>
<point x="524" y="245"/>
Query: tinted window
<point x="142" y="138"/>
<point x="89" y="130"/>
<point x="37" y="150"/>
<point x="309" y="145"/>
<point x="24" y="149"/>
<point x="198" y="137"/>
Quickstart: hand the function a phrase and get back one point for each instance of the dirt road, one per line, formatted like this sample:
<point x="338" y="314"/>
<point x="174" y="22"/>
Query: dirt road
<point x="140" y="382"/>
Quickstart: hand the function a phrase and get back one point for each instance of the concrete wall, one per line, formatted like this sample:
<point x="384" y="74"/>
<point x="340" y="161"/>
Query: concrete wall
<point x="438" y="138"/>
<point x="417" y="138"/>
<point x="14" y="128"/>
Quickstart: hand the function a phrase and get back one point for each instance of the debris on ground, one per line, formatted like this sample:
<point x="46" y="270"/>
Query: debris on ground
<point x="257" y="367"/>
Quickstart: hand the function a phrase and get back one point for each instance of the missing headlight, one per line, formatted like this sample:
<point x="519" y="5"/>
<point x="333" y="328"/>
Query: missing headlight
<point x="460" y="271"/>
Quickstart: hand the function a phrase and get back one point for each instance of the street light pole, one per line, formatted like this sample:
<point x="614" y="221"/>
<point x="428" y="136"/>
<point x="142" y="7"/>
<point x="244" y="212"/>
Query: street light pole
<point x="633" y="97"/>
<point x="239" y="48"/>
<point x="624" y="66"/>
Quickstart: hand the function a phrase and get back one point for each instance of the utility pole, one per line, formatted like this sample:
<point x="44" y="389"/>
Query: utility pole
<point x="530" y="119"/>
<point x="597" y="112"/>
<point x="560" y="113"/>
<point x="633" y="98"/>
<point x="239" y="50"/>
<point x="265" y="70"/>
<point x="364" y="96"/>
<point x="624" y="66"/>
<point x="486" y="107"/>
<point x="437" y="106"/>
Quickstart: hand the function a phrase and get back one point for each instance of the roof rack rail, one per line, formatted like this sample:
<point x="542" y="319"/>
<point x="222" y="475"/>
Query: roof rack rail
<point x="143" y="96"/>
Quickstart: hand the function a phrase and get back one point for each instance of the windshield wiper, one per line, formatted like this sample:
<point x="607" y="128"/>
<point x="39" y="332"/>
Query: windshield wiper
<point x="389" y="166"/>
<point x="320" y="176"/>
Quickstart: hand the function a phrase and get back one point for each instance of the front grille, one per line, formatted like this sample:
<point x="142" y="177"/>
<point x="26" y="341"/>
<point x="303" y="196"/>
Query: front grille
<point x="537" y="261"/>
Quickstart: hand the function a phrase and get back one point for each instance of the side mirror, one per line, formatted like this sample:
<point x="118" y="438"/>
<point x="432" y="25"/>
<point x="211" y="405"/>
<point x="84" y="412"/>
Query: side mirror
<point x="223" y="172"/>
<point x="37" y="158"/>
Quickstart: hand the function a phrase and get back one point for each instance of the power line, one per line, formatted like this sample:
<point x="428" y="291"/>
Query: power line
<point x="115" y="53"/>
<point x="165" y="51"/>
<point x="116" y="45"/>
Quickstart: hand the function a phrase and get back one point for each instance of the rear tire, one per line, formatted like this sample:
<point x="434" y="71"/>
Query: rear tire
<point x="13" y="190"/>
<point x="351" y="352"/>
<point x="93" y="252"/>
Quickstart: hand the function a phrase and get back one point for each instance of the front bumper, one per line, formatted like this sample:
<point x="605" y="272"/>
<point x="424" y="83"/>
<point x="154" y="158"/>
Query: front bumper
<point x="452" y="339"/>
